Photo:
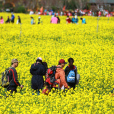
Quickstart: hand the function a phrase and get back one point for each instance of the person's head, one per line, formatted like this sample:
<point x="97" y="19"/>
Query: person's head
<point x="62" y="62"/>
<point x="14" y="62"/>
<point x="81" y="18"/>
<point x="39" y="60"/>
<point x="71" y="61"/>
<point x="31" y="17"/>
<point x="8" y="16"/>
<point x="1" y="17"/>
<point x="18" y="17"/>
<point x="72" y="16"/>
<point x="67" y="16"/>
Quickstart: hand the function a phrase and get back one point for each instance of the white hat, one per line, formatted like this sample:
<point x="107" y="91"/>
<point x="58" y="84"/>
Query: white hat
<point x="39" y="58"/>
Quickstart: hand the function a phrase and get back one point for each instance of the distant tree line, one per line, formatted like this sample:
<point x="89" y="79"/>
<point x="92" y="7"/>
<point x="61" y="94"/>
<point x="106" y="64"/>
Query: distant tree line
<point x="25" y="5"/>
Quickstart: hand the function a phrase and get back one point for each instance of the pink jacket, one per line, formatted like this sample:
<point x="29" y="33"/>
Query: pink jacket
<point x="1" y="21"/>
<point x="54" y="20"/>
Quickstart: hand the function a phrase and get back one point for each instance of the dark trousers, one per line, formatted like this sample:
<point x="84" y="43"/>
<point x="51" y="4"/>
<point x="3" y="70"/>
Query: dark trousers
<point x="12" y="89"/>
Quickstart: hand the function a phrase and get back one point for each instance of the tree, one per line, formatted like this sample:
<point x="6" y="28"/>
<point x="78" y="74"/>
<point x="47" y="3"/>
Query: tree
<point x="81" y="4"/>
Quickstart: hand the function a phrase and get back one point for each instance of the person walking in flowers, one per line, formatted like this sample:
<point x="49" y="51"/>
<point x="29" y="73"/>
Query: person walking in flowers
<point x="71" y="75"/>
<point x="37" y="70"/>
<point x="13" y="78"/>
<point x="60" y="74"/>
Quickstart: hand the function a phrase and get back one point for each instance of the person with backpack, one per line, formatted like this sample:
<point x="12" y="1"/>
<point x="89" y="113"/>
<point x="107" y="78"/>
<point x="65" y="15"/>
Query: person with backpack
<point x="37" y="70"/>
<point x="12" y="18"/>
<point x="60" y="74"/>
<point x="13" y="78"/>
<point x="71" y="75"/>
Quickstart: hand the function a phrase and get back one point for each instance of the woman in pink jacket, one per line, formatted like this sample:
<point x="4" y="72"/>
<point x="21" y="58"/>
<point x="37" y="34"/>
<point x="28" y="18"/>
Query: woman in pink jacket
<point x="1" y="20"/>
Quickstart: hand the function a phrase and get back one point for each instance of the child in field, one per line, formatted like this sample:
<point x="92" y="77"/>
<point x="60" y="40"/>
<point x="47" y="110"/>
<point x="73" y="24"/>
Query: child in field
<point x="1" y="20"/>
<point x="8" y="20"/>
<point x="32" y="21"/>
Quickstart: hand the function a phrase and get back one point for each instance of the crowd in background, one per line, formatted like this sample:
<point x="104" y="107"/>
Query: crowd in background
<point x="10" y="20"/>
<point x="54" y="20"/>
<point x="75" y="12"/>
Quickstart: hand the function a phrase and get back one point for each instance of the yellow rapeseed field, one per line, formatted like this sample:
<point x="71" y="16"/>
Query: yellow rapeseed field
<point x="93" y="54"/>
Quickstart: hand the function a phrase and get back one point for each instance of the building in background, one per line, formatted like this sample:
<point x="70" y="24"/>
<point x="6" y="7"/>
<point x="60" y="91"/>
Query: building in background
<point x="101" y="5"/>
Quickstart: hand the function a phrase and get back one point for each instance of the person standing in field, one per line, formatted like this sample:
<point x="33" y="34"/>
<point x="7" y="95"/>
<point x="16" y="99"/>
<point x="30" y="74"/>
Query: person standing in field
<point x="12" y="18"/>
<point x="83" y="20"/>
<point x="39" y="20"/>
<point x="32" y="21"/>
<point x="71" y="75"/>
<point x="54" y="20"/>
<point x="60" y="74"/>
<point x="1" y="20"/>
<point x="13" y="78"/>
<point x="19" y="20"/>
<point x="37" y="70"/>
<point x="68" y="20"/>
<point x="74" y="19"/>
<point x="58" y="20"/>
<point x="8" y="20"/>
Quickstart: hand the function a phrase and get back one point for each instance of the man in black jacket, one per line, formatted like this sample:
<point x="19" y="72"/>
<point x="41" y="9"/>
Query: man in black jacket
<point x="37" y="70"/>
<point x="13" y="78"/>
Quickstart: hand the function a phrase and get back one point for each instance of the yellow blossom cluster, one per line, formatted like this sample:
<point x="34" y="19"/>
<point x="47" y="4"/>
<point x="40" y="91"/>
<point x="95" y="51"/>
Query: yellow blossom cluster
<point x="90" y="45"/>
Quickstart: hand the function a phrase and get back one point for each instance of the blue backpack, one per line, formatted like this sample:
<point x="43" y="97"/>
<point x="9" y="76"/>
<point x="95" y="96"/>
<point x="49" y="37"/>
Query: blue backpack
<point x="71" y="77"/>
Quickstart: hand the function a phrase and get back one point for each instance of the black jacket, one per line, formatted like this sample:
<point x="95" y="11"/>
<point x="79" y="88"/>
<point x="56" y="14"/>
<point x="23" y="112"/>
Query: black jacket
<point x="13" y="78"/>
<point x="37" y="70"/>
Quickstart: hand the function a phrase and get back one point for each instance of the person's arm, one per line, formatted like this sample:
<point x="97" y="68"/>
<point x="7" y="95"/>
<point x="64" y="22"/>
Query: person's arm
<point x="15" y="77"/>
<point x="62" y="78"/>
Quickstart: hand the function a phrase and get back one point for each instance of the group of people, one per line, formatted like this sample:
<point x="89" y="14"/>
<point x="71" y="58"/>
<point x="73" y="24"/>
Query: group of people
<point x="54" y="20"/>
<point x="75" y="20"/>
<point x="12" y="19"/>
<point x="39" y="21"/>
<point x="38" y="70"/>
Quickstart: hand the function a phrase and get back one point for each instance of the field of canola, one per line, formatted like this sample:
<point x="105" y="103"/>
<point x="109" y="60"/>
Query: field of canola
<point x="92" y="51"/>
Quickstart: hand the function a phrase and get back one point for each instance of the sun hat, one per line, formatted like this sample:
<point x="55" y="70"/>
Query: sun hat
<point x="39" y="58"/>
<point x="14" y="61"/>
